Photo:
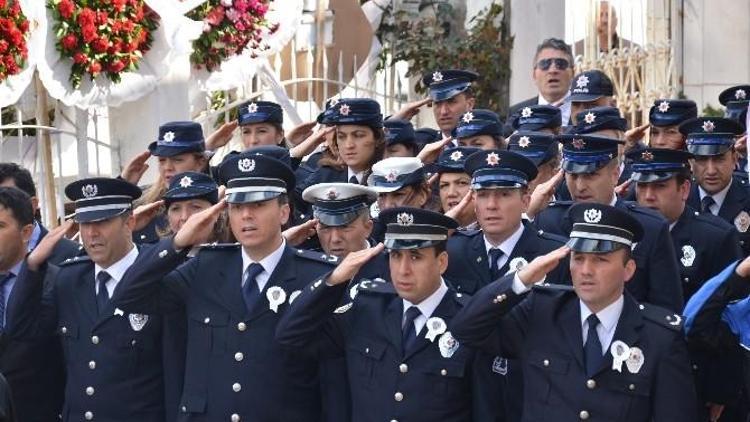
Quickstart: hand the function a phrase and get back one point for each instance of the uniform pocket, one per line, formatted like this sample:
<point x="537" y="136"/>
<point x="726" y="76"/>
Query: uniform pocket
<point x="365" y="355"/>
<point x="208" y="330"/>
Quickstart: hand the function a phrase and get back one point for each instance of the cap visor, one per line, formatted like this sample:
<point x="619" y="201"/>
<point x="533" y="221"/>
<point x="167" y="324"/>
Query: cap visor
<point x="249" y="197"/>
<point x="594" y="246"/>
<point x="708" y="150"/>
<point x="584" y="98"/>
<point x="409" y="244"/>
<point x="94" y="216"/>
<point x="582" y="168"/>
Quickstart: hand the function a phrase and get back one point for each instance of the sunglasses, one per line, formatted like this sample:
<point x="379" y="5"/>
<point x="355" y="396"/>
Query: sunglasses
<point x="544" y="64"/>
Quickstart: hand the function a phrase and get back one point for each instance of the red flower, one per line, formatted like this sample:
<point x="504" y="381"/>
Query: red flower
<point x="118" y="5"/>
<point x="69" y="42"/>
<point x="86" y="17"/>
<point x="65" y="8"/>
<point x="80" y="58"/>
<point x="3" y="46"/>
<point x="11" y="65"/>
<point x="88" y="33"/>
<point x="215" y="16"/>
<point x="100" y="45"/>
<point x="3" y="4"/>
<point x="116" y="66"/>
<point x="94" y="68"/>
<point x="24" y="26"/>
<point x="101" y="17"/>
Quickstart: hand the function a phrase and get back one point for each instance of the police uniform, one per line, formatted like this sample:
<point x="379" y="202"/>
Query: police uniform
<point x="403" y="363"/>
<point x="735" y="101"/>
<point x="714" y="136"/>
<point x="426" y="135"/>
<point x="573" y="369"/>
<point x="590" y="86"/>
<point x="478" y="122"/>
<point x="656" y="279"/>
<point x="235" y="370"/>
<point x="536" y="118"/>
<point x="539" y="147"/>
<point x="399" y="131"/>
<point x="668" y="112"/>
<point x="451" y="160"/>
<point x="390" y="175"/>
<point x="175" y="138"/>
<point x="113" y="359"/>
<point x="445" y="84"/>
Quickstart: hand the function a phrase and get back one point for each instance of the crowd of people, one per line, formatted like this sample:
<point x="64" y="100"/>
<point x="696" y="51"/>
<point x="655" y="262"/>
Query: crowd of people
<point x="552" y="264"/>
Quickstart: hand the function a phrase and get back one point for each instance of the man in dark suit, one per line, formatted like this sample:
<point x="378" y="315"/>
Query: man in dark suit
<point x="552" y="71"/>
<point x="711" y="141"/>
<point x="32" y="367"/>
<point x="591" y="351"/>
<point x="113" y="360"/>
<point x="233" y="296"/>
<point x="403" y="363"/>
<point x="592" y="170"/>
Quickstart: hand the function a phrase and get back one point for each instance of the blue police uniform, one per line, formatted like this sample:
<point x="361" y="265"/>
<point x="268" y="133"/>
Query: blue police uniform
<point x="536" y="118"/>
<point x="235" y="370"/>
<point x="399" y="131"/>
<point x="572" y="374"/>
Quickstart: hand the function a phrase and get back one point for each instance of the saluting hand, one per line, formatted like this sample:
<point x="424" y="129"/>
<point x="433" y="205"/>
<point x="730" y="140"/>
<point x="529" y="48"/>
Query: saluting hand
<point x="431" y="151"/>
<point x="44" y="248"/>
<point x="145" y="213"/>
<point x="135" y="169"/>
<point x="543" y="193"/>
<point x="298" y="234"/>
<point x="301" y="132"/>
<point x="199" y="227"/>
<point x="311" y="142"/>
<point x="633" y="135"/>
<point x="540" y="266"/>
<point x="743" y="269"/>
<point x="410" y="110"/>
<point x="221" y="136"/>
<point x="352" y="263"/>
<point x="463" y="212"/>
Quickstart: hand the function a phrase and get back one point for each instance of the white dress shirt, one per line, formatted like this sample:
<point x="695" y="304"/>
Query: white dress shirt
<point x="608" y="318"/>
<point x="426" y="307"/>
<point x="564" y="108"/>
<point x="268" y="263"/>
<point x="350" y="173"/>
<point x="115" y="271"/>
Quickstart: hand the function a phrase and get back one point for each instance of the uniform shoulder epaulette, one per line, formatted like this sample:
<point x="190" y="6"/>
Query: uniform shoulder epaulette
<point x="461" y="298"/>
<point x="219" y="246"/>
<point x="79" y="259"/>
<point x="561" y="203"/>
<point x="551" y="236"/>
<point x="635" y="207"/>
<point x="377" y="285"/>
<point x="713" y="220"/>
<point x="316" y="256"/>
<point x="467" y="232"/>
<point x="661" y="316"/>
<point x="552" y="289"/>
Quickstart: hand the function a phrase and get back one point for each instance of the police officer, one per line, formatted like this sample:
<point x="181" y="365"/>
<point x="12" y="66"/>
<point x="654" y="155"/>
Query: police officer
<point x="664" y="118"/>
<point x="233" y="297"/>
<point x="590" y="352"/>
<point x="735" y="100"/>
<point x="539" y="118"/>
<point x="452" y="96"/>
<point x="113" y="359"/>
<point x="591" y="171"/>
<point x="403" y="362"/>
<point x="400" y="140"/>
<point x="711" y="141"/>
<point x="261" y="123"/>
<point x="542" y="149"/>
<point x="590" y="89"/>
<point x="454" y="184"/>
<point x="504" y="242"/>
<point x="480" y="128"/>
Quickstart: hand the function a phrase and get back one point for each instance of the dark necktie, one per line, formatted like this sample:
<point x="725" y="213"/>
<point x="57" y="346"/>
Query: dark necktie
<point x="102" y="297"/>
<point x="495" y="255"/>
<point x="354" y="180"/>
<point x="4" y="278"/>
<point x="408" y="330"/>
<point x="592" y="350"/>
<point x="706" y="203"/>
<point x="250" y="290"/>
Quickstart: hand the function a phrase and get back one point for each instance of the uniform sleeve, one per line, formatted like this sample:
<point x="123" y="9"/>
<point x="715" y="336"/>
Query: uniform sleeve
<point x="33" y="311"/>
<point x="664" y="273"/>
<point x="674" y="393"/>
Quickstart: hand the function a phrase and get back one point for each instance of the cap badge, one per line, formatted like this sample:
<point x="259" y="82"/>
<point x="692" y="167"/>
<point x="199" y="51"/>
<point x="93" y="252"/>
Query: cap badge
<point x="89" y="191"/>
<point x="344" y="109"/>
<point x="246" y="165"/>
<point x="437" y="77"/>
<point x="708" y="126"/>
<point x="592" y="216"/>
<point x="663" y="107"/>
<point x="404" y="219"/>
<point x="578" y="143"/>
<point x="169" y="137"/>
<point x="589" y="117"/>
<point x="468" y="117"/>
<point x="456" y="155"/>
<point x="137" y="321"/>
<point x="447" y="345"/>
<point x="526" y="112"/>
<point x="252" y="108"/>
<point x="742" y="221"/>
<point x="524" y="142"/>
<point x="740" y="94"/>
<point x="332" y="194"/>
<point x="392" y="176"/>
<point x="582" y="81"/>
<point x="186" y="182"/>
<point x="647" y="156"/>
<point x="493" y="159"/>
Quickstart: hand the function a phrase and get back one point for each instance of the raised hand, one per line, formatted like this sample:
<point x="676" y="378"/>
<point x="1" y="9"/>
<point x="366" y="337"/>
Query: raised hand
<point x="540" y="266"/>
<point x="622" y="188"/>
<point x="431" y="151"/>
<point x="463" y="212"/>
<point x="350" y="265"/>
<point x="199" y="227"/>
<point x="633" y="135"/>
<point x="300" y="132"/>
<point x="135" y="169"/>
<point x="221" y="136"/>
<point x="311" y="142"/>
<point x="408" y="111"/>
<point x="543" y="194"/>
<point x="145" y="213"/>
<point x="44" y="248"/>
<point x="298" y="234"/>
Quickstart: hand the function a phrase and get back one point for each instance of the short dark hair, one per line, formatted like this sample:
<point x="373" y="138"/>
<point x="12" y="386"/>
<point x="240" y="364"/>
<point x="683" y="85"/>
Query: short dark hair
<point x="682" y="176"/>
<point x="21" y="177"/>
<point x="440" y="247"/>
<point x="555" y="44"/>
<point x="18" y="203"/>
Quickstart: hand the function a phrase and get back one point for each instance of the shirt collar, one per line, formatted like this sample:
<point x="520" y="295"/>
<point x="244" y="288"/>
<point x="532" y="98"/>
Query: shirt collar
<point x="508" y="244"/>
<point x="350" y="173"/>
<point x="427" y="307"/>
<point x="16" y="269"/>
<point x="718" y="196"/>
<point x="608" y="316"/>
<point x="117" y="270"/>
<point x="268" y="263"/>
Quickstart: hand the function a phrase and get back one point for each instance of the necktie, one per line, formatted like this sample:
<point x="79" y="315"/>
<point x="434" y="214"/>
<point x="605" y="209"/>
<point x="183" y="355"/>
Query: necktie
<point x="706" y="203"/>
<point x="4" y="278"/>
<point x="592" y="350"/>
<point x="250" y="290"/>
<point x="408" y="330"/>
<point x="102" y="297"/>
<point x="354" y="180"/>
<point x="495" y="255"/>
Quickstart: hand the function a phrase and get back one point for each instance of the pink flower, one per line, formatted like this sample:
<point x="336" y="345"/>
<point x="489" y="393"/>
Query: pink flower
<point x="232" y="15"/>
<point x="226" y="3"/>
<point x="215" y="16"/>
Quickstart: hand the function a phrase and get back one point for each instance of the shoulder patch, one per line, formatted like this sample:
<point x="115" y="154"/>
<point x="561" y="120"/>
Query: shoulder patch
<point x="316" y="256"/>
<point x="661" y="316"/>
<point x="219" y="246"/>
<point x="80" y="259"/>
<point x="377" y="285"/>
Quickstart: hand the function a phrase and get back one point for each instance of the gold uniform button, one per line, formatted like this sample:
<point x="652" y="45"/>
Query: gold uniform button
<point x="398" y="396"/>
<point x="241" y="326"/>
<point x="95" y="339"/>
<point x="583" y="415"/>
<point x="88" y="416"/>
<point x="545" y="362"/>
<point x="443" y="372"/>
<point x="591" y="384"/>
<point x="239" y="356"/>
<point x="89" y="391"/>
<point x="92" y="365"/>
<point x="235" y="417"/>
<point x="403" y="368"/>
<point x="236" y="387"/>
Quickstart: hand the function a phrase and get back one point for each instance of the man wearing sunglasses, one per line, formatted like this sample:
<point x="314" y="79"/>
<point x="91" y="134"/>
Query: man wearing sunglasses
<point x="552" y="73"/>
